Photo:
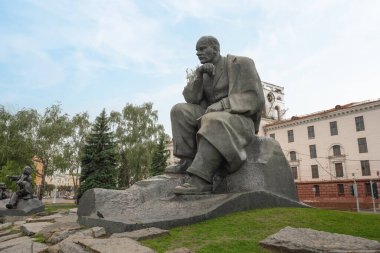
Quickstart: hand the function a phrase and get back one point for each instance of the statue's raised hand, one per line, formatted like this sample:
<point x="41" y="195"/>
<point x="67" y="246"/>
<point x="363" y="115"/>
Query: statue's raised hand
<point x="207" y="68"/>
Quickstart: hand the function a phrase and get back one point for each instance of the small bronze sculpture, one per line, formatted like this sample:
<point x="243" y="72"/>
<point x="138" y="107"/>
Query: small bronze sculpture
<point x="25" y="183"/>
<point x="221" y="117"/>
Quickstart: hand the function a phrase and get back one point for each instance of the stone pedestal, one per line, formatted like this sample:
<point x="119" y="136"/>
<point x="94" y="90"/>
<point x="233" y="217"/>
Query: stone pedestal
<point x="24" y="207"/>
<point x="264" y="181"/>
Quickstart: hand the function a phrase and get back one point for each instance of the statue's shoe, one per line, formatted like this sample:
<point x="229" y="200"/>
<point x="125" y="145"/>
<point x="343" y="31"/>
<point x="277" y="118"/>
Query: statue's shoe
<point x="190" y="189"/>
<point x="180" y="168"/>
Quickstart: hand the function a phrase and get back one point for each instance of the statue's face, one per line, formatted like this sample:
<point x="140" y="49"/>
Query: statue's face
<point x="205" y="52"/>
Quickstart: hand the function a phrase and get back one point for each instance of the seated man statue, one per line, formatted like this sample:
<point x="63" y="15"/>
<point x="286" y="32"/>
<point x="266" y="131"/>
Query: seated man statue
<point x="24" y="182"/>
<point x="221" y="117"/>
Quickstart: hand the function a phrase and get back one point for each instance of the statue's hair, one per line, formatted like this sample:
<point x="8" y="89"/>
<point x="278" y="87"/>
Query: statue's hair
<point x="212" y="41"/>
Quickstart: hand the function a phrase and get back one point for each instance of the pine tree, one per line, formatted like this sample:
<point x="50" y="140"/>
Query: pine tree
<point x="160" y="156"/>
<point x="99" y="166"/>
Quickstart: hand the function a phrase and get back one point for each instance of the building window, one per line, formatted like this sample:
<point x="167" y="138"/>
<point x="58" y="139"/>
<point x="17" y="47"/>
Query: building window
<point x="294" y="172"/>
<point x="273" y="136"/>
<point x="368" y="191"/>
<point x="366" y="170"/>
<point x="314" y="171"/>
<point x="340" y="188"/>
<point x="339" y="169"/>
<point x="362" y="143"/>
<point x="333" y="128"/>
<point x="290" y="136"/>
<point x="359" y="122"/>
<point x="293" y="156"/>
<point x="336" y="150"/>
<point x="313" y="151"/>
<point x="316" y="191"/>
<point x="310" y="132"/>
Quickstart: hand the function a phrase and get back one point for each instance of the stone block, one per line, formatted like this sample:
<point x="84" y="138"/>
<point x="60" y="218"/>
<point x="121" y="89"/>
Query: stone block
<point x="142" y="234"/>
<point x="33" y="228"/>
<point x="71" y="247"/>
<point x="26" y="247"/>
<point x="9" y="237"/>
<point x="69" y="242"/>
<point x="114" y="245"/>
<point x="98" y="232"/>
<point x="58" y="236"/>
<point x="49" y="218"/>
<point x="24" y="207"/>
<point x="49" y="230"/>
<point x="13" y="242"/>
<point x="308" y="240"/>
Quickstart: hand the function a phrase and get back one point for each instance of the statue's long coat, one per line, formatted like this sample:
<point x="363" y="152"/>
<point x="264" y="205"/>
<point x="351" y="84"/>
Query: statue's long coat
<point x="231" y="130"/>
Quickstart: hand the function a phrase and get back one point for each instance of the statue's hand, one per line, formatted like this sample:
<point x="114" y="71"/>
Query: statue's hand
<point x="207" y="68"/>
<point x="215" y="107"/>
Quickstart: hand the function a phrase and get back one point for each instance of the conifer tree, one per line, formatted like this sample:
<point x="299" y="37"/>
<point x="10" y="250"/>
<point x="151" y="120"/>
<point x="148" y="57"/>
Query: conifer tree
<point x="99" y="164"/>
<point x="160" y="156"/>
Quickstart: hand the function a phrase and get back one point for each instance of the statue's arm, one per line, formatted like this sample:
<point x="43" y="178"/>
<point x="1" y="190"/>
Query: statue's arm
<point x="245" y="91"/>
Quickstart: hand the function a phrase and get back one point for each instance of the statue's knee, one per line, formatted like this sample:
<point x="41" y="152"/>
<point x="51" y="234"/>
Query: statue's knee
<point x="178" y="110"/>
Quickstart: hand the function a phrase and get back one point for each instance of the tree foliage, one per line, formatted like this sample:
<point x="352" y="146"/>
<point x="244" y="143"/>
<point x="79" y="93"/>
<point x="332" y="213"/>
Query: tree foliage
<point x="16" y="132"/>
<point x="28" y="137"/>
<point x="137" y="134"/>
<point x="99" y="157"/>
<point x="70" y="161"/>
<point x="160" y="156"/>
<point x="63" y="144"/>
<point x="51" y="132"/>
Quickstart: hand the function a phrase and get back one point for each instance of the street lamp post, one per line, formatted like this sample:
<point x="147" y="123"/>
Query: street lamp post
<point x="356" y="193"/>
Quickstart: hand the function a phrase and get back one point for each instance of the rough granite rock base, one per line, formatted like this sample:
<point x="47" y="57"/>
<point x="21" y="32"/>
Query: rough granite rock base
<point x="264" y="181"/>
<point x="307" y="240"/>
<point x="24" y="207"/>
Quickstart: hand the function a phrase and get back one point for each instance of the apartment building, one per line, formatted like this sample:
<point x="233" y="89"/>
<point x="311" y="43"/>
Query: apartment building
<point x="329" y="151"/>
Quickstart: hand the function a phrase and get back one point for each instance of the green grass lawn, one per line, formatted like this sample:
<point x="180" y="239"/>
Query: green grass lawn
<point x="50" y="207"/>
<point x="241" y="232"/>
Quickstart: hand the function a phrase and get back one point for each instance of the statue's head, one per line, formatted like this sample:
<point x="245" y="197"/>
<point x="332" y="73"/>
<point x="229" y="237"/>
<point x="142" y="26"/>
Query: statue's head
<point x="208" y="49"/>
<point x="28" y="170"/>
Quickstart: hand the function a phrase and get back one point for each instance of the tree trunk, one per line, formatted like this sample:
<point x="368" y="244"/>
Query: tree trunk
<point x="42" y="187"/>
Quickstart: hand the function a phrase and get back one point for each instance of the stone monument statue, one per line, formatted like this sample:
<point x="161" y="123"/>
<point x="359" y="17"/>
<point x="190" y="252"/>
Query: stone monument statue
<point x="22" y="202"/>
<point x="220" y="118"/>
<point x="224" y="166"/>
<point x="24" y="182"/>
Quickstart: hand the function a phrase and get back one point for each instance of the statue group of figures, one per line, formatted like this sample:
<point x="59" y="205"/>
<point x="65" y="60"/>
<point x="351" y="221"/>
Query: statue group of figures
<point x="25" y="191"/>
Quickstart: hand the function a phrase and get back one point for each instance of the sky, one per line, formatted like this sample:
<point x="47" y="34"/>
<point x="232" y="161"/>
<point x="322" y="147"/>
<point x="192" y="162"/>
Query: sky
<point x="93" y="54"/>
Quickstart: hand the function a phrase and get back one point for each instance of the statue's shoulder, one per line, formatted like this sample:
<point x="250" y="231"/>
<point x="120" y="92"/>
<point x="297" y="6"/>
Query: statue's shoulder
<point x="239" y="59"/>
